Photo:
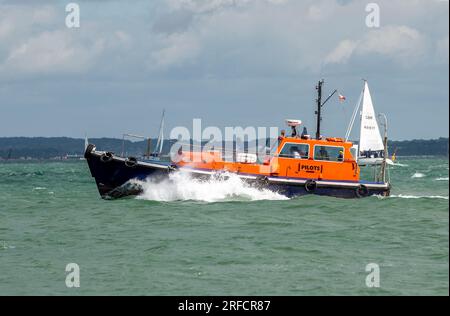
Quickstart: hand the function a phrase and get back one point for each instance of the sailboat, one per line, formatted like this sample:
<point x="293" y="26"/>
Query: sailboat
<point x="371" y="148"/>
<point x="77" y="156"/>
<point x="86" y="144"/>
<point x="160" y="142"/>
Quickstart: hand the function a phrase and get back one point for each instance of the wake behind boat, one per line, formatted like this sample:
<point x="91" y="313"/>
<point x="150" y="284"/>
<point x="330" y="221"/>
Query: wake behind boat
<point x="299" y="166"/>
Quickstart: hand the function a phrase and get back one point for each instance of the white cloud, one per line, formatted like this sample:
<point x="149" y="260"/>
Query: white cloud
<point x="51" y="52"/>
<point x="342" y="52"/>
<point x="18" y="20"/>
<point x="205" y="6"/>
<point x="176" y="49"/>
<point x="321" y="10"/>
<point x="396" y="42"/>
<point x="257" y="52"/>
<point x="214" y="36"/>
<point x="402" y="44"/>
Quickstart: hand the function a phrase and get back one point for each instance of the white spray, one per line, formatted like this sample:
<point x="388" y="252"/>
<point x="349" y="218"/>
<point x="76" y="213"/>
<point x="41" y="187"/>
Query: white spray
<point x="180" y="186"/>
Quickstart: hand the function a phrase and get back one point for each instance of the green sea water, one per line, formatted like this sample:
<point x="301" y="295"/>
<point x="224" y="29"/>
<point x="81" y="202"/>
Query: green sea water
<point x="220" y="238"/>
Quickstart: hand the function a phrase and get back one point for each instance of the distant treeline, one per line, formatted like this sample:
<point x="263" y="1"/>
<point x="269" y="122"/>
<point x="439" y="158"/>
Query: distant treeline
<point x="59" y="147"/>
<point x="54" y="147"/>
<point x="419" y="147"/>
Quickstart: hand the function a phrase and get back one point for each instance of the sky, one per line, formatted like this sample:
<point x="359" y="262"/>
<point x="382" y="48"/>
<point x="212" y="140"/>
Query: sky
<point x="228" y="62"/>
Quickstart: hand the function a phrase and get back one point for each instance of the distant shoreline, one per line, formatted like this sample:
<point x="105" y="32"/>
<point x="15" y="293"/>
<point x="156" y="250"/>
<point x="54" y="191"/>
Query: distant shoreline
<point x="67" y="148"/>
<point x="62" y="160"/>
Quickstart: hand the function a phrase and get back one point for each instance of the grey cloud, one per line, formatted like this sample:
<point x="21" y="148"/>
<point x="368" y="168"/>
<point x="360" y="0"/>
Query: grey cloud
<point x="214" y="59"/>
<point x="176" y="21"/>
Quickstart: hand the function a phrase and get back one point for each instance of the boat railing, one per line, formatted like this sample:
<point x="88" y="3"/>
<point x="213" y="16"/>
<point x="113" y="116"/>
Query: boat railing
<point x="128" y="135"/>
<point x="228" y="154"/>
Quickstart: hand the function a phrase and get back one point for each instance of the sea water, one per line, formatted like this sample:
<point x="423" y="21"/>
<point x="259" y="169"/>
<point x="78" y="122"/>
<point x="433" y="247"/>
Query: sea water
<point x="187" y="237"/>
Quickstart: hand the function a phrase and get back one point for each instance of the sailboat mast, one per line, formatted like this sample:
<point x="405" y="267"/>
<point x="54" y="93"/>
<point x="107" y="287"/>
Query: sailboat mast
<point x="161" y="132"/>
<point x="355" y="113"/>
<point x="385" y="144"/>
<point x="362" y="108"/>
<point x="160" y="142"/>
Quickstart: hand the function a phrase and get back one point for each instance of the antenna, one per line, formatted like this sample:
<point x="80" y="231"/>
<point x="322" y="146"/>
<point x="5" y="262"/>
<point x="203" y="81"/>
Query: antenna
<point x="320" y="105"/>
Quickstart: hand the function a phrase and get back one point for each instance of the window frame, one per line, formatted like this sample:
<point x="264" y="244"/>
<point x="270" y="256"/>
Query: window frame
<point x="301" y="158"/>
<point x="335" y="161"/>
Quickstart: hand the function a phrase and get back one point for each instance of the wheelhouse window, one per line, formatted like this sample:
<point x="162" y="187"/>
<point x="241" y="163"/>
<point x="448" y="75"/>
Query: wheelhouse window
<point x="329" y="153"/>
<point x="296" y="151"/>
<point x="354" y="152"/>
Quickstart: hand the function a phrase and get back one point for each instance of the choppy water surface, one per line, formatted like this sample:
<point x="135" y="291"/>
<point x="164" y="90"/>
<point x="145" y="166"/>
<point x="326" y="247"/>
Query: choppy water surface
<point x="224" y="238"/>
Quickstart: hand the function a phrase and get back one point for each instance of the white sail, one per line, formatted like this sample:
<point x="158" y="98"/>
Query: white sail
<point x="160" y="143"/>
<point x="370" y="137"/>
<point x="86" y="142"/>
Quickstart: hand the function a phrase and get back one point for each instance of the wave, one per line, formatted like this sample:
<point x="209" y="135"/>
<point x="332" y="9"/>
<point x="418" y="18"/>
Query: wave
<point x="399" y="164"/>
<point x="417" y="175"/>
<point x="4" y="245"/>
<point x="442" y="179"/>
<point x="181" y="187"/>
<point x="419" y="196"/>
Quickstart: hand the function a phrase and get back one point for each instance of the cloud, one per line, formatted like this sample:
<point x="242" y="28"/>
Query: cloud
<point x="209" y="6"/>
<point x="18" y="20"/>
<point x="442" y="50"/>
<point x="342" y="52"/>
<point x="237" y="55"/>
<point x="176" y="49"/>
<point x="48" y="52"/>
<point x="402" y="44"/>
<point x="175" y="21"/>
<point x="212" y="37"/>
<point x="396" y="42"/>
<point x="35" y="41"/>
<point x="321" y="10"/>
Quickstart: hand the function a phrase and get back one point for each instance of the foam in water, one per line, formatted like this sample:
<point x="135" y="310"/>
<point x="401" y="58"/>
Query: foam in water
<point x="419" y="196"/>
<point x="442" y="179"/>
<point x="180" y="186"/>
<point x="417" y="175"/>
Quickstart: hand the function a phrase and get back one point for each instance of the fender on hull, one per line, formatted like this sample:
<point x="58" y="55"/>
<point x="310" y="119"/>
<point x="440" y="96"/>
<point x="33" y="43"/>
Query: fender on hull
<point x="113" y="174"/>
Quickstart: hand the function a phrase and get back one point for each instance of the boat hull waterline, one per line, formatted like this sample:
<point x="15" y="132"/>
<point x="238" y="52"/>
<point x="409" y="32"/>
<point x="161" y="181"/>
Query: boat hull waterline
<point x="115" y="177"/>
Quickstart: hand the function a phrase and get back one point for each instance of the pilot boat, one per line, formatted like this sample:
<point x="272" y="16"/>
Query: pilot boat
<point x="300" y="165"/>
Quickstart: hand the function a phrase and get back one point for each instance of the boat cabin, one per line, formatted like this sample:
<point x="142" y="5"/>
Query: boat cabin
<point x="295" y="157"/>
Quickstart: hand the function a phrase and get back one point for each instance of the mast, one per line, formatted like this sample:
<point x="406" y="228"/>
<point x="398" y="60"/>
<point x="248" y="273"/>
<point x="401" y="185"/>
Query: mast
<point x="160" y="142"/>
<point x="319" y="107"/>
<point x="149" y="147"/>
<point x="385" y="141"/>
<point x="161" y="134"/>
<point x="86" y="142"/>
<point x="355" y="113"/>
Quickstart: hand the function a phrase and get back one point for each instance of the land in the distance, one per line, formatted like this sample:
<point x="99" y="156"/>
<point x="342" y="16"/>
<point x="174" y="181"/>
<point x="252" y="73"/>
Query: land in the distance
<point x="23" y="148"/>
